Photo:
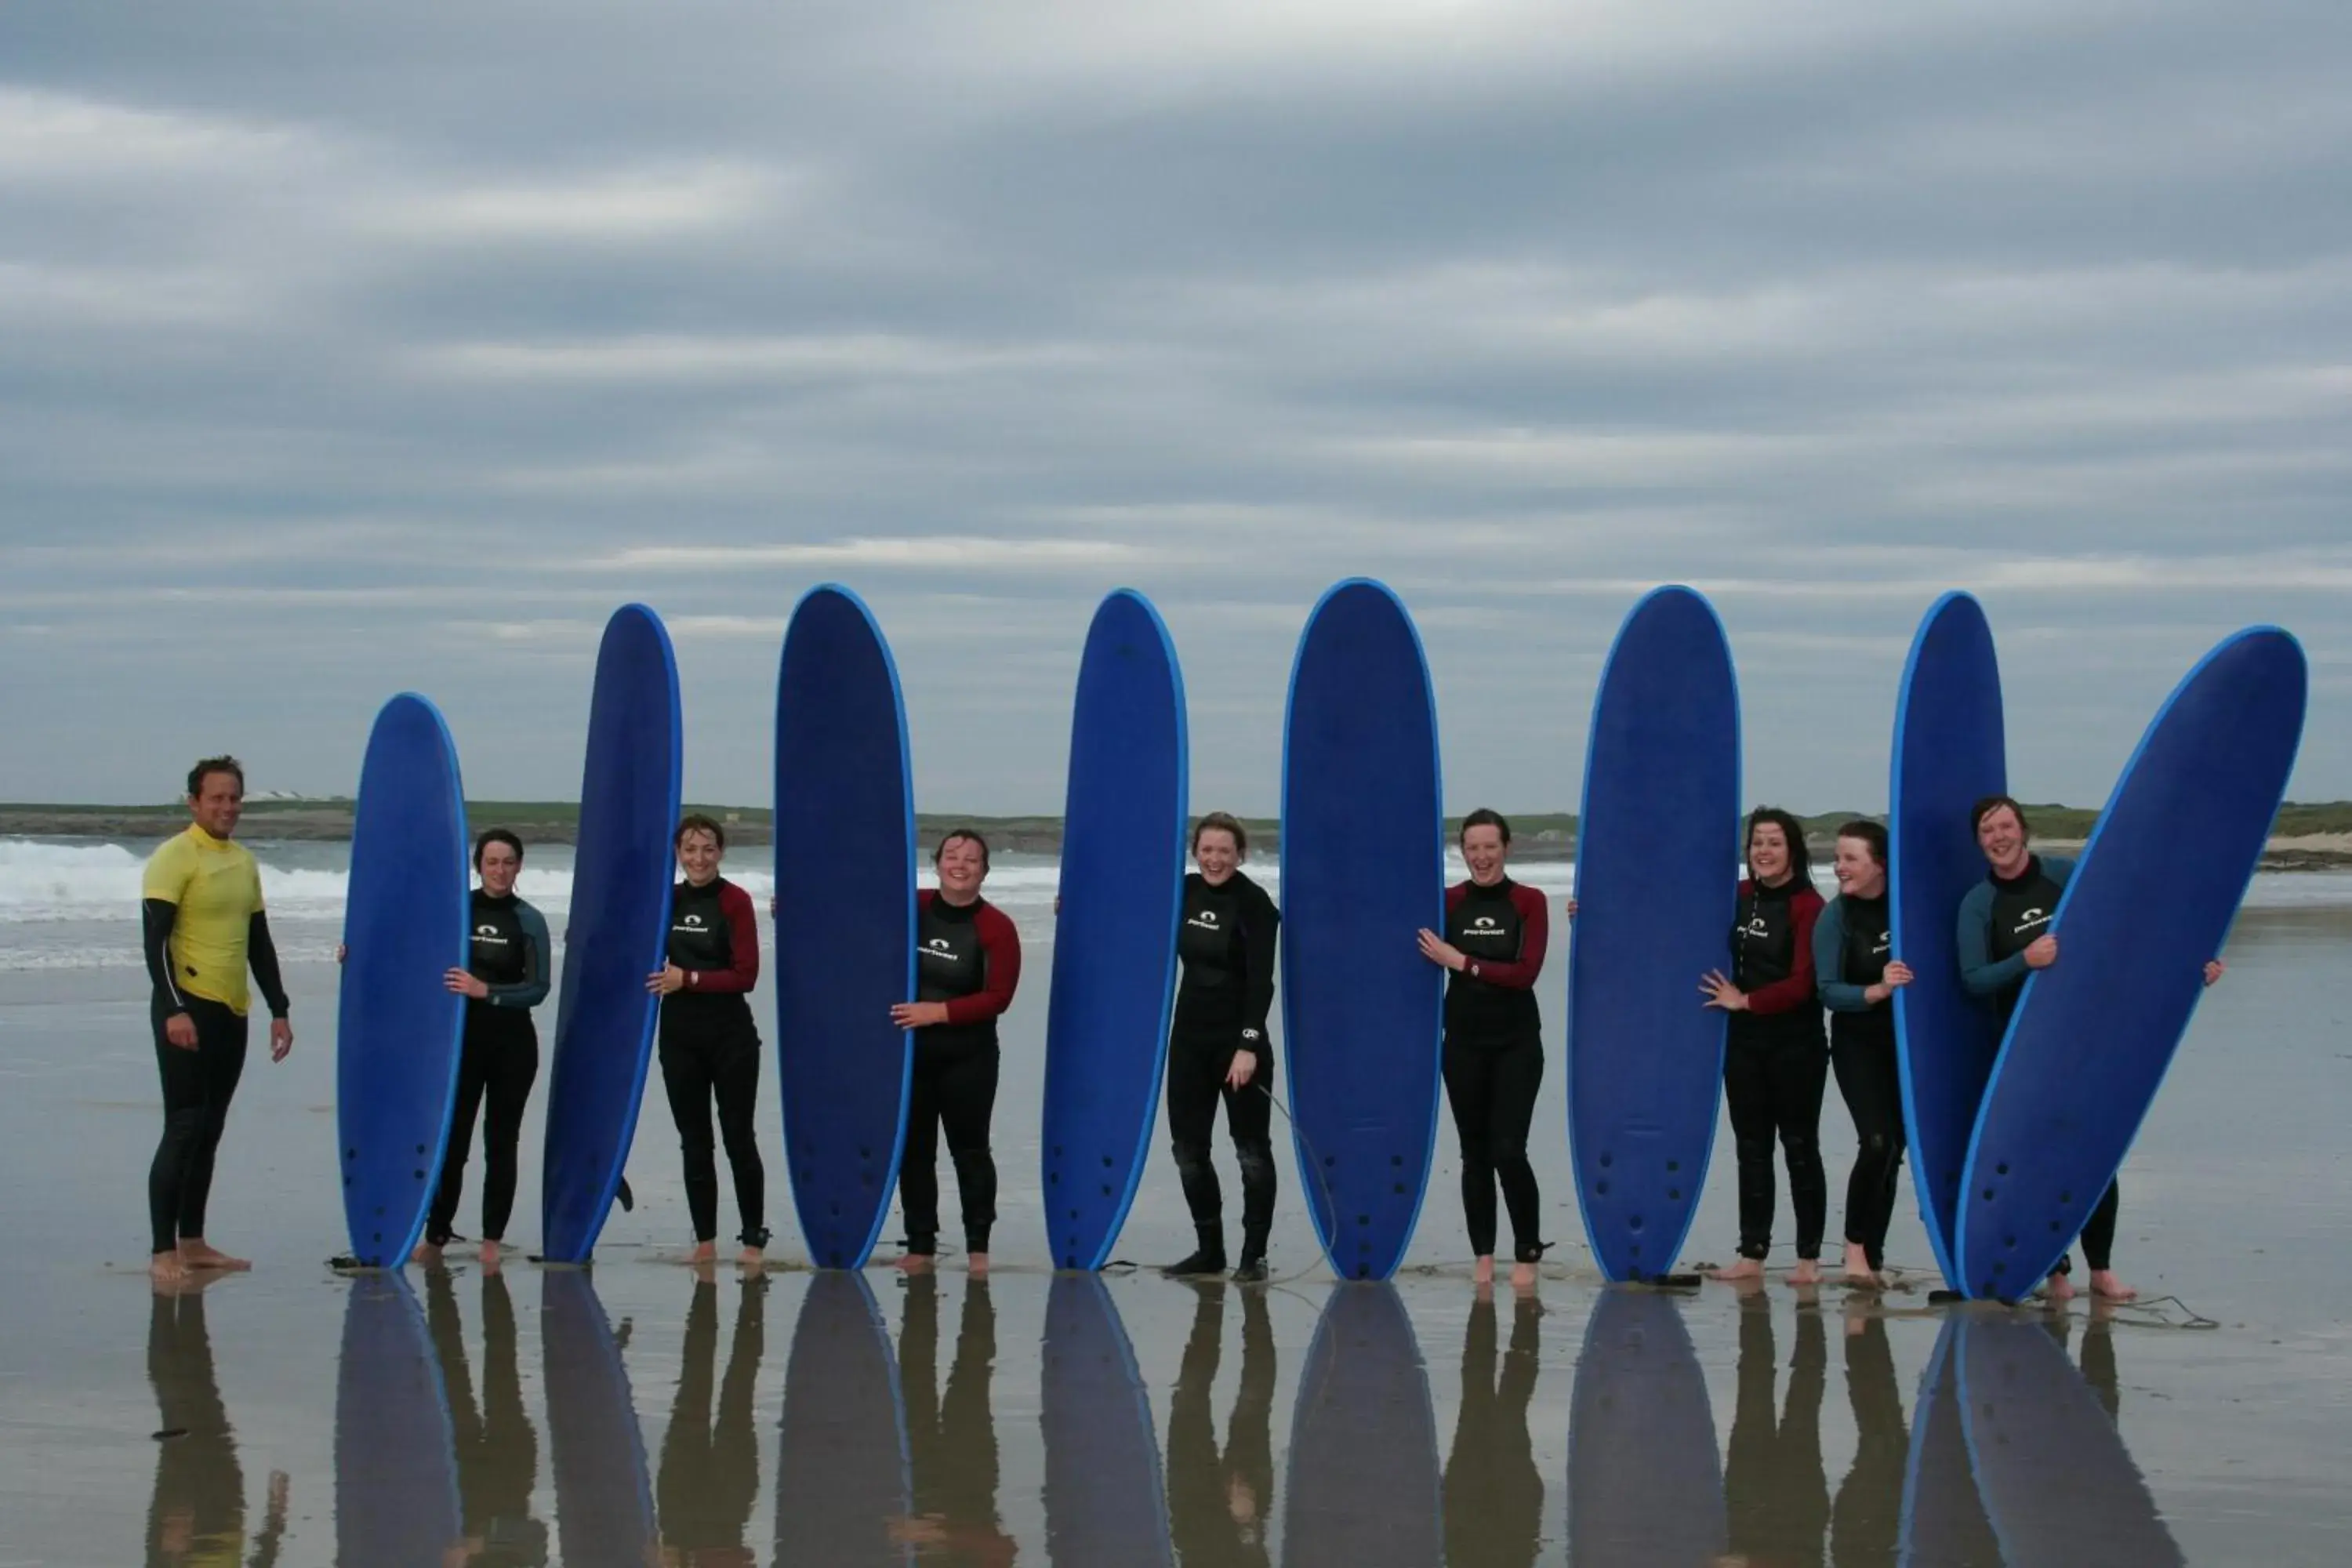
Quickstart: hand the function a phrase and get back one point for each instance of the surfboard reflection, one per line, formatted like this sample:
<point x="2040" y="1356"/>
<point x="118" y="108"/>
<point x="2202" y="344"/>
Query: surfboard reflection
<point x="2057" y="1481"/>
<point x="496" y="1448"/>
<point x="1364" y="1484"/>
<point x="1220" y="1501"/>
<point x="1642" y="1482"/>
<point x="396" y="1462"/>
<point x="1944" y="1523"/>
<point x="1494" y="1495"/>
<point x="709" y="1473"/>
<point x="604" y="1507"/>
<point x="842" y="1489"/>
<point x="196" y="1512"/>
<point x="1104" y="1506"/>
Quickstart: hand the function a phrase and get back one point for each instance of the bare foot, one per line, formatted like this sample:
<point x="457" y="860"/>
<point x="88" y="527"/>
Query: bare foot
<point x="2104" y="1283"/>
<point x="1746" y="1269"/>
<point x="1859" y="1272"/>
<point x="1807" y="1271"/>
<point x="2061" y="1290"/>
<point x="489" y="1256"/>
<point x="1523" y="1277"/>
<point x="165" y="1268"/>
<point x="1482" y="1271"/>
<point x="914" y="1263"/>
<point x="752" y="1257"/>
<point x="426" y="1255"/>
<point x="704" y="1252"/>
<point x="196" y="1253"/>
<point x="977" y="1262"/>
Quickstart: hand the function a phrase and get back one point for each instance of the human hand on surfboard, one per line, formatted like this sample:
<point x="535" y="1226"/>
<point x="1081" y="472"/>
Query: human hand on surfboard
<point x="2041" y="952"/>
<point x="1716" y="986"/>
<point x="1440" y="951"/>
<point x="465" y="983"/>
<point x="665" y="980"/>
<point x="1897" y="975"/>
<point x="918" y="1014"/>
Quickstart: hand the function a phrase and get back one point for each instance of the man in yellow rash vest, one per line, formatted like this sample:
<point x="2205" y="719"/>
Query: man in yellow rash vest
<point x="204" y="926"/>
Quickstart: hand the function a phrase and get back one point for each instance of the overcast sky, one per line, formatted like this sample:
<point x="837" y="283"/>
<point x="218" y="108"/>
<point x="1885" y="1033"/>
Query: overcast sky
<point x="345" y="353"/>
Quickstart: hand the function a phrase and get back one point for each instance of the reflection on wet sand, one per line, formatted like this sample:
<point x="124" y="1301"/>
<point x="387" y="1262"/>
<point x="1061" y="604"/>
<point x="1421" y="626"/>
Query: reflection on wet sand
<point x="711" y="1462"/>
<point x="603" y="1506"/>
<point x="1219" y="1502"/>
<point x="196" y="1512"/>
<point x="1104" y="1507"/>
<point x="2057" y="1482"/>
<point x="1493" y="1495"/>
<point x="497" y="1446"/>
<point x="1776" y="1500"/>
<point x="952" y="1442"/>
<point x="396" y="1459"/>
<point x="1644" y="1486"/>
<point x="1364" y="1486"/>
<point x="2009" y="1456"/>
<point x="842" y="1491"/>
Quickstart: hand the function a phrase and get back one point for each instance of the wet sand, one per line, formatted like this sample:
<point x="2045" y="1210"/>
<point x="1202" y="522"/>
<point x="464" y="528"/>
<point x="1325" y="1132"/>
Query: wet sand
<point x="562" y="1417"/>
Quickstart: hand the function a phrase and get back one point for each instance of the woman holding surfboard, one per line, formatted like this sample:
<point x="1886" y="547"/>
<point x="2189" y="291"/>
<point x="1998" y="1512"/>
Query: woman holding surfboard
<point x="1858" y="975"/>
<point x="968" y="965"/>
<point x="1493" y="952"/>
<point x="2004" y="934"/>
<point x="1776" y="1059"/>
<point x="709" y="1045"/>
<point x="1218" y="1048"/>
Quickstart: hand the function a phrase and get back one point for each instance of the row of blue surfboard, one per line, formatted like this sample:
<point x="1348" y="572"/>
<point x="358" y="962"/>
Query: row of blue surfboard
<point x="1362" y="858"/>
<point x="2008" y="1439"/>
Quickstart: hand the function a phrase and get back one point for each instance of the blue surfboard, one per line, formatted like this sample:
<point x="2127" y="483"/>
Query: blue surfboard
<point x="397" y="1027"/>
<point x="1657" y="852"/>
<point x="1104" y="1503"/>
<point x="1122" y="893"/>
<point x="618" y="933"/>
<point x="1364" y="1489"/>
<point x="1949" y="753"/>
<point x="1363" y="868"/>
<point x="396" y="1451"/>
<point x="2057" y="1482"/>
<point x="604" y="1500"/>
<point x="842" y="1474"/>
<point x="2151" y="900"/>
<point x="845" y="944"/>
<point x="1643" y="1483"/>
<point x="1943" y="1521"/>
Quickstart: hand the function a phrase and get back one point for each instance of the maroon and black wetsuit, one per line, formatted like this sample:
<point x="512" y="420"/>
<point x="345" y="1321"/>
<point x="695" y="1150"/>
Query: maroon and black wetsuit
<point x="1494" y="1054"/>
<point x="710" y="1050"/>
<point x="969" y="957"/>
<point x="1776" y="1062"/>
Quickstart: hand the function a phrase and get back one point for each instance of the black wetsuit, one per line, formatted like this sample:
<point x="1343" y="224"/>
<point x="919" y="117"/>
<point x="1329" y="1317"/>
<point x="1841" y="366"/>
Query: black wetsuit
<point x="1852" y="946"/>
<point x="1776" y="1063"/>
<point x="2016" y="914"/>
<point x="709" y="1474"/>
<point x="1225" y="949"/>
<point x="1221" y="1504"/>
<point x="500" y="1062"/>
<point x="1494" y="1055"/>
<point x="710" y="1051"/>
<point x="1493" y="1492"/>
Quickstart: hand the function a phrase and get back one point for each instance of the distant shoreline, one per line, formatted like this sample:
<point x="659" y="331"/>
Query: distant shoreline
<point x="2306" y="837"/>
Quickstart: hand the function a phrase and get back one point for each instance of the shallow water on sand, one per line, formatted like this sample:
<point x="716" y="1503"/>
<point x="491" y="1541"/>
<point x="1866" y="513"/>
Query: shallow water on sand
<point x="566" y="1417"/>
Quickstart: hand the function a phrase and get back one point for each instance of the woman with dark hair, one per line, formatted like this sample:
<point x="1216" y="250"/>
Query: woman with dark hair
<point x="968" y="965"/>
<point x="1776" y="1059"/>
<point x="709" y="1045"/>
<point x="1218" y="1048"/>
<point x="1858" y="974"/>
<point x="2004" y="934"/>
<point x="1492" y="951"/>
<point x="504" y="978"/>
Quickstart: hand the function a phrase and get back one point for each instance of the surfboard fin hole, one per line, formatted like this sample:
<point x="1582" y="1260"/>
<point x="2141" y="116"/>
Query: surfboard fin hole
<point x="1053" y="1178"/>
<point x="1601" y="1189"/>
<point x="1106" y="1162"/>
<point x="1674" y="1165"/>
<point x="1606" y="1161"/>
<point x="1634" y="1223"/>
<point x="2002" y="1169"/>
<point x="1364" y="1220"/>
<point x="1398" y="1189"/>
<point x="1987" y="1194"/>
<point x="1107" y="1189"/>
<point x="1674" y="1194"/>
<point x="2065" y="1197"/>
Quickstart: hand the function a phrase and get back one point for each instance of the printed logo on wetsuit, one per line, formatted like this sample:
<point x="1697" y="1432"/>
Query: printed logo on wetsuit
<point x="1757" y="927"/>
<point x="490" y="936"/>
<point x="939" y="947"/>
<point x="2031" y="919"/>
<point x="1484" y="928"/>
<point x="1884" y="945"/>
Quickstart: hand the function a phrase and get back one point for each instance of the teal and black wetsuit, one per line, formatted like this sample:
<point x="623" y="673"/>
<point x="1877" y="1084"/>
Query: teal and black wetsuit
<point x="500" y="1062"/>
<point x="1852" y="946"/>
